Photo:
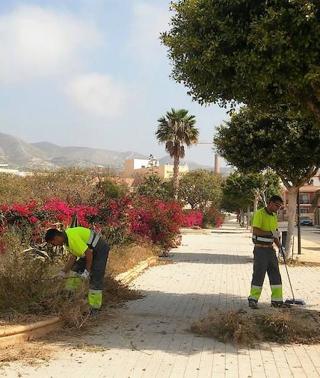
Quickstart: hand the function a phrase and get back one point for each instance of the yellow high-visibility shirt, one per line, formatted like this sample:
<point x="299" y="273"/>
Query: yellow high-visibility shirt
<point x="265" y="221"/>
<point x="78" y="238"/>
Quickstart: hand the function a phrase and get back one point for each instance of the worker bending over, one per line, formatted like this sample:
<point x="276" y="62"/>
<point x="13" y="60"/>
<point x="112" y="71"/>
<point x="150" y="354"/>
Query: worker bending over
<point x="88" y="260"/>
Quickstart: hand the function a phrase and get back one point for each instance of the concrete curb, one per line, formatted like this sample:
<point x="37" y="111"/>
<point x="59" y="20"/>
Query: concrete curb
<point x="133" y="273"/>
<point x="20" y="333"/>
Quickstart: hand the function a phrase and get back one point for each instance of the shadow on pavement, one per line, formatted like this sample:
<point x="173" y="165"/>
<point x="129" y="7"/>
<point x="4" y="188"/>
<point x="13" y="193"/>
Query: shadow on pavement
<point x="210" y="258"/>
<point x="160" y="321"/>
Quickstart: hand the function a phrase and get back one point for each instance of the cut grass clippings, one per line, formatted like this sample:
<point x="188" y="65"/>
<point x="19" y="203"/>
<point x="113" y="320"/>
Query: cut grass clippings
<point x="249" y="328"/>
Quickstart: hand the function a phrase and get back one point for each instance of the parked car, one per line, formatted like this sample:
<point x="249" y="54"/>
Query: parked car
<point x="306" y="221"/>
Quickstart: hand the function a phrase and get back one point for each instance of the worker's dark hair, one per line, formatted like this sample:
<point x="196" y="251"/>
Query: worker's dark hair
<point x="51" y="234"/>
<point x="276" y="199"/>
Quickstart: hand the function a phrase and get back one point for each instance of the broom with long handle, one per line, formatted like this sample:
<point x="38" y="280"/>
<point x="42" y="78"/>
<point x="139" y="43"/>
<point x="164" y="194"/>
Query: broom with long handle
<point x="294" y="301"/>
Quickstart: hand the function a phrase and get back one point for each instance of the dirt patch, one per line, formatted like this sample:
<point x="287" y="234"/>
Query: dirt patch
<point x="31" y="353"/>
<point x="249" y="328"/>
<point x="298" y="263"/>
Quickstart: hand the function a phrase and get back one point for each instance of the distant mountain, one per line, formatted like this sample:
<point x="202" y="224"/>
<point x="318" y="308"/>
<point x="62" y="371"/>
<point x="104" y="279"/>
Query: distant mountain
<point x="19" y="154"/>
<point x="84" y="156"/>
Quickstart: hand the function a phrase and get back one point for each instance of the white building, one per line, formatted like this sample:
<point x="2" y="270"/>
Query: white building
<point x="132" y="165"/>
<point x="4" y="168"/>
<point x="315" y="181"/>
<point x="143" y="167"/>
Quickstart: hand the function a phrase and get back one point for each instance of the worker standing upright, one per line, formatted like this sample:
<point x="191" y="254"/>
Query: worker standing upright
<point x="265" y="235"/>
<point x="88" y="260"/>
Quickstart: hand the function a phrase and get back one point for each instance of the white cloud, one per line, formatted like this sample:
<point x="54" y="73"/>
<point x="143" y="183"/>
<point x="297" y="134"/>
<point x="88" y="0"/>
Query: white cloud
<point x="39" y="42"/>
<point x="98" y="95"/>
<point x="149" y="21"/>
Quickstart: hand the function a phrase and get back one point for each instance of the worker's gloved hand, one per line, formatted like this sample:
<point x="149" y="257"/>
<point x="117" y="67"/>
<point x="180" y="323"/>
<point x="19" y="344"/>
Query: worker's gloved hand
<point x="85" y="275"/>
<point x="276" y="234"/>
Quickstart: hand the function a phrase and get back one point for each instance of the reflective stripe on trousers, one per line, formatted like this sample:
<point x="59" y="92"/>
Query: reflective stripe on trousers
<point x="265" y="261"/>
<point x="276" y="293"/>
<point x="255" y="292"/>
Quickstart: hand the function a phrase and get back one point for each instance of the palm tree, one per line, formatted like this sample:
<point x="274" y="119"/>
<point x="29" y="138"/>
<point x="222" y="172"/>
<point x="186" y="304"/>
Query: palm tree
<point x="177" y="129"/>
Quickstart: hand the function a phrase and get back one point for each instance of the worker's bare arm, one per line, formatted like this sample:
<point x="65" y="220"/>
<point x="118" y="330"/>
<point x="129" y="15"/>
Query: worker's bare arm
<point x="277" y="242"/>
<point x="69" y="264"/>
<point x="89" y="258"/>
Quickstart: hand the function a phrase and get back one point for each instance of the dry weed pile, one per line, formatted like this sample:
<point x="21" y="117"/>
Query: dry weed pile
<point x="29" y="291"/>
<point x="75" y="310"/>
<point x="284" y="326"/>
<point x="26" y="286"/>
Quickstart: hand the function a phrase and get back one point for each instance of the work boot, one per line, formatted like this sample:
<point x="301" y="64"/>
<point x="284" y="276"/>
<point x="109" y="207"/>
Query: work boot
<point x="94" y="312"/>
<point x="280" y="304"/>
<point x="253" y="303"/>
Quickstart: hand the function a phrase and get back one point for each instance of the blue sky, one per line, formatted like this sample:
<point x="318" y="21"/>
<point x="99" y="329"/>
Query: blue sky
<point x="92" y="73"/>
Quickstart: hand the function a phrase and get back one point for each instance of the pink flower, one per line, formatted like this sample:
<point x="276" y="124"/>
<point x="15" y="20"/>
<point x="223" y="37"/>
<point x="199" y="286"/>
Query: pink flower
<point x="33" y="219"/>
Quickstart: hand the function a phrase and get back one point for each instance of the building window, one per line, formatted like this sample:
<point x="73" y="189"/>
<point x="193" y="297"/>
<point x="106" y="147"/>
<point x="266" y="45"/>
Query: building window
<point x="304" y="198"/>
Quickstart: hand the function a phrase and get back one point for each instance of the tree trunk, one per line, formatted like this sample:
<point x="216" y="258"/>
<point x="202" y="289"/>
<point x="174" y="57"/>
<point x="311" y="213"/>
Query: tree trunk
<point x="176" y="162"/>
<point x="241" y="218"/>
<point x="315" y="109"/>
<point x="255" y="203"/>
<point x="248" y="217"/>
<point x="292" y="209"/>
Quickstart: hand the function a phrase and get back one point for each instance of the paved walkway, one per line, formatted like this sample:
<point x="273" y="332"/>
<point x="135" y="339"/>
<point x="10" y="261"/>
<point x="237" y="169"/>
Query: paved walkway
<point x="150" y="337"/>
<point x="310" y="243"/>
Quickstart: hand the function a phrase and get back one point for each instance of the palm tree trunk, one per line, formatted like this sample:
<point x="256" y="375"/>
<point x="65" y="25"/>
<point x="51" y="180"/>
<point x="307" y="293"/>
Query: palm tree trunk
<point x="292" y="209"/>
<point x="176" y="162"/>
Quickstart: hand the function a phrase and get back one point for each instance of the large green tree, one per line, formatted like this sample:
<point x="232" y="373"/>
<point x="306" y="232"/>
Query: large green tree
<point x="201" y="189"/>
<point x="289" y="145"/>
<point x="255" y="52"/>
<point x="241" y="192"/>
<point x="153" y="186"/>
<point x="177" y="129"/>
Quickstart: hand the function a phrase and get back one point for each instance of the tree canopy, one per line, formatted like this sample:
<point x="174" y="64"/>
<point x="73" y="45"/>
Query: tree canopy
<point x="153" y="186"/>
<point x="241" y="191"/>
<point x="254" y="141"/>
<point x="288" y="144"/>
<point x="201" y="189"/>
<point x="255" y="52"/>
